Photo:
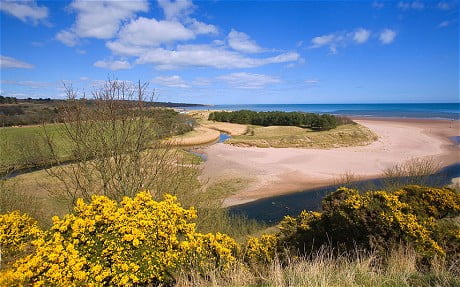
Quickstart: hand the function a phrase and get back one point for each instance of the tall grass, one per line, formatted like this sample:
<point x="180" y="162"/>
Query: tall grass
<point x="325" y="269"/>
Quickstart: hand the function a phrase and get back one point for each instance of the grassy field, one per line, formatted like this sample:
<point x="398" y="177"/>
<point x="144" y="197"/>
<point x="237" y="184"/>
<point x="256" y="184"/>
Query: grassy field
<point x="25" y="147"/>
<point x="288" y="136"/>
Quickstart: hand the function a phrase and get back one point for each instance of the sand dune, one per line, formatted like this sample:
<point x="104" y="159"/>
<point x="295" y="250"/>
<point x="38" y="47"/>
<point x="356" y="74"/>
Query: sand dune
<point x="281" y="170"/>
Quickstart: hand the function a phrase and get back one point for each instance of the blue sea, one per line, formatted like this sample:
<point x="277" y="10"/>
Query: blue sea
<point x="424" y="111"/>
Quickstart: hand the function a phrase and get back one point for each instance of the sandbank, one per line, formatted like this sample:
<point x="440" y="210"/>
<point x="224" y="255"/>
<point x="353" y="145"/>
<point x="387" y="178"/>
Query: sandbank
<point x="275" y="171"/>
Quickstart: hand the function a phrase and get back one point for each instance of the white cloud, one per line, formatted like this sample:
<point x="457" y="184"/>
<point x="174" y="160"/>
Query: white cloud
<point x="174" y="10"/>
<point x="340" y="39"/>
<point x="249" y="81"/>
<point x="207" y="56"/>
<point x="8" y="62"/>
<point x="152" y="41"/>
<point x="361" y="35"/>
<point x="202" y="82"/>
<point x="26" y="11"/>
<point x="202" y="28"/>
<point x="241" y="42"/>
<point x="126" y="49"/>
<point x="100" y="19"/>
<point x="150" y="32"/>
<point x="171" y="81"/>
<point x="138" y="35"/>
<point x="387" y="36"/>
<point x="68" y="38"/>
<point x="321" y="41"/>
<point x="414" y="5"/>
<point x="113" y="65"/>
<point x="312" y="81"/>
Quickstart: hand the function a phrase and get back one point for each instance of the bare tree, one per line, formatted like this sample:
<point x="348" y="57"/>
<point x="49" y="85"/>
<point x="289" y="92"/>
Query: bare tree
<point x="115" y="148"/>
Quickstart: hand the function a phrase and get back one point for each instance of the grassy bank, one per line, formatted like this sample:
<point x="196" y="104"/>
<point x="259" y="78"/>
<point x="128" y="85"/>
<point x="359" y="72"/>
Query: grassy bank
<point x="325" y="270"/>
<point x="232" y="129"/>
<point x="283" y="136"/>
<point x="199" y="136"/>
<point x="27" y="147"/>
<point x="288" y="136"/>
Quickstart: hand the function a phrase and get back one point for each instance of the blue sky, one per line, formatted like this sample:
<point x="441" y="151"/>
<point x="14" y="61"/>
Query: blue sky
<point x="235" y="52"/>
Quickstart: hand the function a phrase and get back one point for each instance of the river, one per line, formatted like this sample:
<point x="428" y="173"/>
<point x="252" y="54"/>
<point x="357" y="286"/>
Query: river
<point x="271" y="210"/>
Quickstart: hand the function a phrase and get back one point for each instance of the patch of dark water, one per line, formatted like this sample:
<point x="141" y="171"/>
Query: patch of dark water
<point x="273" y="209"/>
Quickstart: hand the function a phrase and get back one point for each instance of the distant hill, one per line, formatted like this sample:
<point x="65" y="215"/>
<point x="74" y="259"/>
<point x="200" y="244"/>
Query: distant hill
<point x="13" y="100"/>
<point x="14" y="111"/>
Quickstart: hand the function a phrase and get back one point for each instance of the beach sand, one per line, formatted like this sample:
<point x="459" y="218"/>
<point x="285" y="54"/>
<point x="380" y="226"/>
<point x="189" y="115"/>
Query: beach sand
<point x="275" y="171"/>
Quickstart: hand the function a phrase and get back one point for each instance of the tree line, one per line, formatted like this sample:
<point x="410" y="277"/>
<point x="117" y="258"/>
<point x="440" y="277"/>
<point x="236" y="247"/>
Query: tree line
<point x="305" y="120"/>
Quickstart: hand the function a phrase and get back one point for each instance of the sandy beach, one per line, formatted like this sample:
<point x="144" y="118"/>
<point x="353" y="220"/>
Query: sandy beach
<point x="275" y="171"/>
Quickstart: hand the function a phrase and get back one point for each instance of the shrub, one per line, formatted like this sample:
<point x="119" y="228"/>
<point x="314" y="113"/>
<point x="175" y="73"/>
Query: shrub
<point x="137" y="241"/>
<point x="377" y="219"/>
<point x="261" y="251"/>
<point x="16" y="232"/>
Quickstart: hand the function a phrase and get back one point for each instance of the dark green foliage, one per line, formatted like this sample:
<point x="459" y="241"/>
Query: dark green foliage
<point x="304" y="120"/>
<point x="8" y="100"/>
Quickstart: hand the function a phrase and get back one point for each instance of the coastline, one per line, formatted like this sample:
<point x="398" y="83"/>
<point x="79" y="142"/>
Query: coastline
<point x="277" y="171"/>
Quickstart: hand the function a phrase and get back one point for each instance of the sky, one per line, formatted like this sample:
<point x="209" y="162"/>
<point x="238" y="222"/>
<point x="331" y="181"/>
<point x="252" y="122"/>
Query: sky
<point x="235" y="52"/>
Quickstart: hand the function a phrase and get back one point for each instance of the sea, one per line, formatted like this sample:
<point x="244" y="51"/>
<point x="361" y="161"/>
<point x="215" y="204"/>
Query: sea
<point x="450" y="111"/>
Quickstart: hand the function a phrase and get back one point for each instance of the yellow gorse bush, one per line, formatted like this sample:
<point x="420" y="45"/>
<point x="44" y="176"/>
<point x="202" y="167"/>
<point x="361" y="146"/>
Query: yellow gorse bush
<point x="375" y="219"/>
<point x="261" y="250"/>
<point x="103" y="242"/>
<point x="16" y="232"/>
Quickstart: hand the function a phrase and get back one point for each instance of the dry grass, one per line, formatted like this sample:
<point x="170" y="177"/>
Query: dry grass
<point x="413" y="171"/>
<point x="233" y="129"/>
<point x="324" y="269"/>
<point x="456" y="184"/>
<point x="229" y="128"/>
<point x="288" y="136"/>
<point x="199" y="136"/>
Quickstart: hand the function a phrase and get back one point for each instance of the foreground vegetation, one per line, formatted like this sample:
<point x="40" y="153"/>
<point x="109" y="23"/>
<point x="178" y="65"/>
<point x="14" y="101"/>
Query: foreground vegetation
<point x="139" y="241"/>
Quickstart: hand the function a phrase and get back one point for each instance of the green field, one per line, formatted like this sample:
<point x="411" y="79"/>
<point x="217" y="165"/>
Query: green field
<point x="25" y="147"/>
<point x="290" y="136"/>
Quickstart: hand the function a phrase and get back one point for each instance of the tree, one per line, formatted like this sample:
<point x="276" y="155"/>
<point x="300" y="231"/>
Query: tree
<point x="116" y="145"/>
